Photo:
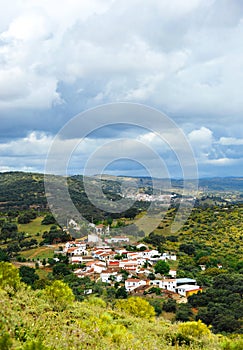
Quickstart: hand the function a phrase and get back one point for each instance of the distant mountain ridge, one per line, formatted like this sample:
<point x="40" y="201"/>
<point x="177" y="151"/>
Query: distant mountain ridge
<point x="23" y="189"/>
<point x="230" y="183"/>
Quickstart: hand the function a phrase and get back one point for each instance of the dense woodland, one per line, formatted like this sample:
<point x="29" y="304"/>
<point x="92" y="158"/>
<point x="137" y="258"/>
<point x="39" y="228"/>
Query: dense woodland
<point x="21" y="191"/>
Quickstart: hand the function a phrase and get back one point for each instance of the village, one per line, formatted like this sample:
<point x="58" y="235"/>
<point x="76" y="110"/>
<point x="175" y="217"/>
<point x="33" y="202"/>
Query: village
<point x="107" y="260"/>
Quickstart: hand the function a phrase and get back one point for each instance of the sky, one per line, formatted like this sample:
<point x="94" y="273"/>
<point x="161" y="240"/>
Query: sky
<point x="182" y="58"/>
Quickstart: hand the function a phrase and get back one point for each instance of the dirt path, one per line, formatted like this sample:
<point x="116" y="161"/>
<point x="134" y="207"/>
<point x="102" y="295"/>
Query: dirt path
<point x="38" y="251"/>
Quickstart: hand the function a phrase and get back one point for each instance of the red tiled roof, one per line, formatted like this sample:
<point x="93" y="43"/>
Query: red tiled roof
<point x="116" y="263"/>
<point x="132" y="280"/>
<point x="71" y="249"/>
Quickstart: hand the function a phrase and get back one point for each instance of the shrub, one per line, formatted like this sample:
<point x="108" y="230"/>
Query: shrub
<point x="137" y="307"/>
<point x="195" y="329"/>
<point x="236" y="344"/>
<point x="183" y="313"/>
<point x="60" y="295"/>
<point x="48" y="220"/>
<point x="5" y="342"/>
<point x="170" y="306"/>
<point x="35" y="345"/>
<point x="9" y="276"/>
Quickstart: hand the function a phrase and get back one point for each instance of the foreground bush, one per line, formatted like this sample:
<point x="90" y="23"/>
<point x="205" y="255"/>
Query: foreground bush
<point x="50" y="319"/>
<point x="137" y="307"/>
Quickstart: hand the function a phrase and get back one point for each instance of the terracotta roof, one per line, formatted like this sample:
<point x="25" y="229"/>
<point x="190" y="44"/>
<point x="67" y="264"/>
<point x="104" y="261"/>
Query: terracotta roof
<point x="100" y="265"/>
<point x="113" y="262"/>
<point x="71" y="249"/>
<point x="132" y="280"/>
<point x="108" y="271"/>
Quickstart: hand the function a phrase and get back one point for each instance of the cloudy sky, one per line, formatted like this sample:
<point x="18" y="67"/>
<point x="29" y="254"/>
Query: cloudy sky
<point x="62" y="57"/>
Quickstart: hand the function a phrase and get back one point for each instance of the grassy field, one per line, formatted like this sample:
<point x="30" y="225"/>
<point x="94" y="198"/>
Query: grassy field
<point x="34" y="227"/>
<point x="43" y="272"/>
<point x="38" y="253"/>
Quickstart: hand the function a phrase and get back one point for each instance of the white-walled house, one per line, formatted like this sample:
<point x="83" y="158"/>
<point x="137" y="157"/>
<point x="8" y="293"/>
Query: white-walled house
<point x="133" y="255"/>
<point x="187" y="289"/>
<point x="168" y="256"/>
<point x="168" y="284"/>
<point x="102" y="253"/>
<point x="93" y="238"/>
<point x="128" y="264"/>
<point x="185" y="280"/>
<point x="107" y="276"/>
<point x="133" y="283"/>
<point x="99" y="267"/>
<point x="156" y="283"/>
<point x="172" y="257"/>
<point x="102" y="229"/>
<point x="149" y="253"/>
<point x="76" y="259"/>
<point x="77" y="251"/>
<point x="74" y="244"/>
<point x="203" y="267"/>
<point x="118" y="239"/>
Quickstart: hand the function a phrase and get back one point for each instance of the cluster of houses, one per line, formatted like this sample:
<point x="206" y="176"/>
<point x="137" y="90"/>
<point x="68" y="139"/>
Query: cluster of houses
<point x="165" y="198"/>
<point x="108" y="263"/>
<point x="182" y="286"/>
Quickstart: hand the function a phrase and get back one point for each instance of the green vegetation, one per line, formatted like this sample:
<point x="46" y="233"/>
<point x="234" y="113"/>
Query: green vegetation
<point x="210" y="236"/>
<point x="221" y="305"/>
<point x="21" y="191"/>
<point x="34" y="227"/>
<point x="39" y="253"/>
<point x="50" y="319"/>
<point x="9" y="276"/>
<point x="162" y="267"/>
<point x="49" y="308"/>
<point x="137" y="307"/>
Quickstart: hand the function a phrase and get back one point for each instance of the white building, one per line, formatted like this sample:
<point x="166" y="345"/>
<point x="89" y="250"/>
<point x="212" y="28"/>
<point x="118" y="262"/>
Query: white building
<point x="102" y="229"/>
<point x="118" y="239"/>
<point x="76" y="259"/>
<point x="168" y="284"/>
<point x="149" y="253"/>
<point x="108" y="276"/>
<point x="99" y="267"/>
<point x="185" y="289"/>
<point x="168" y="256"/>
<point x="93" y="238"/>
<point x="133" y="283"/>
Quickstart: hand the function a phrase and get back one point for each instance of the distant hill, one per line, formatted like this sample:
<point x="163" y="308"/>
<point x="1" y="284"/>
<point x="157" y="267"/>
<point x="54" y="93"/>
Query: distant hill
<point x="222" y="184"/>
<point x="23" y="190"/>
<point x="208" y="184"/>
